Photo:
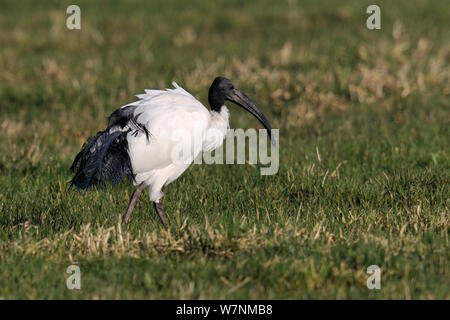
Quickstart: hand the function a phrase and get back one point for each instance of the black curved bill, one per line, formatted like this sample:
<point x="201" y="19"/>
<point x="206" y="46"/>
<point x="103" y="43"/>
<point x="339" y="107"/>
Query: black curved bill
<point x="245" y="102"/>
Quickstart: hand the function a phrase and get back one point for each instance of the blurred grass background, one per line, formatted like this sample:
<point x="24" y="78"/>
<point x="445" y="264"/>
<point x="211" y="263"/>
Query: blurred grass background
<point x="364" y="150"/>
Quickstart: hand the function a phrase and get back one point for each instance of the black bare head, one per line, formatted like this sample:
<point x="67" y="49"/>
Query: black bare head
<point x="222" y="89"/>
<point x="217" y="92"/>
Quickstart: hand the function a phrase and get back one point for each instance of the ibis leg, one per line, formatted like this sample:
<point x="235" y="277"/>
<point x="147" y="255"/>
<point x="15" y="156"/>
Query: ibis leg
<point x="160" y="210"/>
<point x="133" y="201"/>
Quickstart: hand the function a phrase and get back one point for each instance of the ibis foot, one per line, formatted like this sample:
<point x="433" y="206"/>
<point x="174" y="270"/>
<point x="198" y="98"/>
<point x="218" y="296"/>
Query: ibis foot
<point x="159" y="208"/>
<point x="133" y="201"/>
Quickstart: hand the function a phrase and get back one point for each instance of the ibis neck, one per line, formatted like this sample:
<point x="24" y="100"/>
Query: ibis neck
<point x="216" y="99"/>
<point x="222" y="114"/>
<point x="220" y="121"/>
<point x="217" y="129"/>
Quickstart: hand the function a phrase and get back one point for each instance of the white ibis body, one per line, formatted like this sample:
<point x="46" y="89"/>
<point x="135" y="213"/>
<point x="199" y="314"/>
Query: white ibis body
<point x="139" y="140"/>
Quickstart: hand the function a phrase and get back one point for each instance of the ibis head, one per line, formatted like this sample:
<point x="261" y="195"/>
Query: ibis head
<point x="222" y="89"/>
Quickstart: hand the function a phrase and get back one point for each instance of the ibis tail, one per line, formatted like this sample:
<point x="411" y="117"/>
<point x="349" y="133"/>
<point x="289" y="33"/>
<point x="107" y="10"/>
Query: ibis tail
<point x="103" y="158"/>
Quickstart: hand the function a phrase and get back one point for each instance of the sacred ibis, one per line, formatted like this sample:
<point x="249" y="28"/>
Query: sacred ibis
<point x="138" y="142"/>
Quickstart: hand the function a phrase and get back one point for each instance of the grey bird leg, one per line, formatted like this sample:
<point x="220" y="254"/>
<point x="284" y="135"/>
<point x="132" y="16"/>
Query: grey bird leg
<point x="160" y="210"/>
<point x="133" y="201"/>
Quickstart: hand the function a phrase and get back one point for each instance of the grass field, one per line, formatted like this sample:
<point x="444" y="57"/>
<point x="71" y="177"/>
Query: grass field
<point x="364" y="151"/>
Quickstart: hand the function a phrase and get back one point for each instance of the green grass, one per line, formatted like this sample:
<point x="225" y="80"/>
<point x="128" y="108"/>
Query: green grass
<point x="364" y="151"/>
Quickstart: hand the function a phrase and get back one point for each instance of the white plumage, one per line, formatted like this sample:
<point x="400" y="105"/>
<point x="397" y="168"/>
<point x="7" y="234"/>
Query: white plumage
<point x="169" y="116"/>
